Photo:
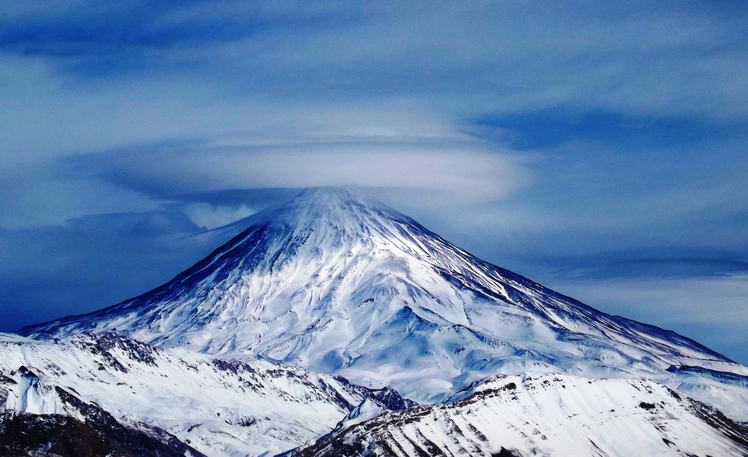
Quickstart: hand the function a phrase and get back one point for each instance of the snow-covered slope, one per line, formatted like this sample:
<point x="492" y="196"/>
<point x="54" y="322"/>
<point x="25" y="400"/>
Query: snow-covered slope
<point x="546" y="415"/>
<point x="219" y="407"/>
<point x="336" y="284"/>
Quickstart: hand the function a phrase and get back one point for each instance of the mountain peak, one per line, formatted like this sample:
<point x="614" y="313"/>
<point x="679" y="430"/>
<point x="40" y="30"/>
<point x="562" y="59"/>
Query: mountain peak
<point x="330" y="222"/>
<point x="328" y="195"/>
<point x="329" y="204"/>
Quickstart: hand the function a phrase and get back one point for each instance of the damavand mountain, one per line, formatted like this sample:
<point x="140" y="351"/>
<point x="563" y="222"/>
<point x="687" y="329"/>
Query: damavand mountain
<point x="363" y="306"/>
<point x="336" y="284"/>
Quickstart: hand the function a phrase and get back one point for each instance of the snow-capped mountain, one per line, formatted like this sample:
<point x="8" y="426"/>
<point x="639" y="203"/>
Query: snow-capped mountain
<point x="336" y="284"/>
<point x="555" y="414"/>
<point x="175" y="399"/>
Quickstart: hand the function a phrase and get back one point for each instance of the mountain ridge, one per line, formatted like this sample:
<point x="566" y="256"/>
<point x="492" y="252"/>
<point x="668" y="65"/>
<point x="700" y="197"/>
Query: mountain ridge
<point x="219" y="406"/>
<point x="554" y="414"/>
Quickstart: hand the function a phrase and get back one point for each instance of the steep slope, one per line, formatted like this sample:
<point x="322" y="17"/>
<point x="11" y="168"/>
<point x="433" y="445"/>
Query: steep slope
<point x="93" y="385"/>
<point x="546" y="415"/>
<point x="336" y="284"/>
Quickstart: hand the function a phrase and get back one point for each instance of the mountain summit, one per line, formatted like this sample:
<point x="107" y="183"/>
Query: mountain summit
<point x="335" y="283"/>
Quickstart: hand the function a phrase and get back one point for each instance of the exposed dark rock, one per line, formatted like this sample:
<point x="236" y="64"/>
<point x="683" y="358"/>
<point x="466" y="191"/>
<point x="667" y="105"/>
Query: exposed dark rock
<point x="6" y="380"/>
<point x="391" y="399"/>
<point x="99" y="435"/>
<point x="55" y="435"/>
<point x="233" y="366"/>
<point x="27" y="373"/>
<point x="104" y="344"/>
<point x="506" y="453"/>
<point x="386" y="397"/>
<point x="735" y="431"/>
<point x="722" y="376"/>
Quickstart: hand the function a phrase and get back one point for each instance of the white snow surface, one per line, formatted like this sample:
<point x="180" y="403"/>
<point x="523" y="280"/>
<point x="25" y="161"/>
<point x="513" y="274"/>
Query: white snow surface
<point x="219" y="407"/>
<point x="336" y="284"/>
<point x="546" y="415"/>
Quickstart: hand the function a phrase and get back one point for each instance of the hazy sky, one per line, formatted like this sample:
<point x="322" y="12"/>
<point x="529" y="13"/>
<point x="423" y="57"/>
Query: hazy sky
<point x="600" y="148"/>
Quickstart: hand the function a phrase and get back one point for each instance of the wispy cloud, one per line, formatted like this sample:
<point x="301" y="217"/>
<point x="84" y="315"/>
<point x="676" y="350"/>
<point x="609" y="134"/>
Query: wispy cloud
<point x="713" y="308"/>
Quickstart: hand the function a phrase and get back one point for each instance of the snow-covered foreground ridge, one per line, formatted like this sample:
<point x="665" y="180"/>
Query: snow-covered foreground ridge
<point x="550" y="415"/>
<point x="217" y="407"/>
<point x="337" y="284"/>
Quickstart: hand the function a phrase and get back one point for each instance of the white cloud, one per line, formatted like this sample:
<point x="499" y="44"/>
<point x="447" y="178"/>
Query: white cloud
<point x="209" y="217"/>
<point x="420" y="173"/>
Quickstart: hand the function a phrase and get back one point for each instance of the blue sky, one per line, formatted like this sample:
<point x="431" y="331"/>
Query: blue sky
<point x="596" y="147"/>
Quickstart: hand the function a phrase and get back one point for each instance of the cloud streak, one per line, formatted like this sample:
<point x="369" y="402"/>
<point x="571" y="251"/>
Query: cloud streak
<point x="639" y="57"/>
